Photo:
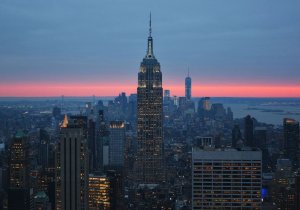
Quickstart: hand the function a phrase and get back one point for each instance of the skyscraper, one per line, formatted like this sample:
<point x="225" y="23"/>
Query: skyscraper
<point x="260" y="139"/>
<point x="18" y="191"/>
<point x="102" y="136"/>
<point x="236" y="136"/>
<point x="291" y="140"/>
<point x="71" y="180"/>
<point x="116" y="143"/>
<point x="167" y="93"/>
<point x="226" y="179"/>
<point x="149" y="165"/>
<point x="204" y="107"/>
<point x="99" y="190"/>
<point x="188" y="87"/>
<point x="249" y="131"/>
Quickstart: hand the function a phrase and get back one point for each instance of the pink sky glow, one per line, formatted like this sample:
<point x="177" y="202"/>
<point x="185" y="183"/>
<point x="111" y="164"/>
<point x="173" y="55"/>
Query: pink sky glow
<point x="81" y="89"/>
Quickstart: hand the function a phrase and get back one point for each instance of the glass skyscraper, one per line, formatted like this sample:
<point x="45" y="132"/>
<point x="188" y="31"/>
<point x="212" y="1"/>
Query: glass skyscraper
<point x="188" y="87"/>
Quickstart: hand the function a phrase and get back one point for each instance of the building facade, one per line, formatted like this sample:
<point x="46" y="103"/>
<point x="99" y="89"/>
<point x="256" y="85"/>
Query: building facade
<point x="18" y="189"/>
<point x="226" y="179"/>
<point x="99" y="192"/>
<point x="149" y="164"/>
<point x="291" y="140"/>
<point x="71" y="178"/>
<point x="116" y="143"/>
<point x="249" y="132"/>
<point x="236" y="136"/>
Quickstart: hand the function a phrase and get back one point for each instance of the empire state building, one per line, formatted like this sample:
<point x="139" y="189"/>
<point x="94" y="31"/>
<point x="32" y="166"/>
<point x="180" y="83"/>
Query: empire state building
<point x="150" y="159"/>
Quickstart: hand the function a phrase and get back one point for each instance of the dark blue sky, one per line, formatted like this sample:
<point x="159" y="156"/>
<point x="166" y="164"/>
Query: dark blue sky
<point x="95" y="41"/>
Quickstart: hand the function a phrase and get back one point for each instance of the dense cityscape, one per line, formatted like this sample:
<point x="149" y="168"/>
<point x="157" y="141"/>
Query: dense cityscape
<point x="148" y="150"/>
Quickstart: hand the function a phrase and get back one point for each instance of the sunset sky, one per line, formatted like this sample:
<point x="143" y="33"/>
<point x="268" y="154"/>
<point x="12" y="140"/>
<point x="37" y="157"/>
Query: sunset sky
<point x="81" y="48"/>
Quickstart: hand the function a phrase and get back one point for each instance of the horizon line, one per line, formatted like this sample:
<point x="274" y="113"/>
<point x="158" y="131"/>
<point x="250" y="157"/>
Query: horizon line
<point x="98" y="96"/>
<point x="107" y="90"/>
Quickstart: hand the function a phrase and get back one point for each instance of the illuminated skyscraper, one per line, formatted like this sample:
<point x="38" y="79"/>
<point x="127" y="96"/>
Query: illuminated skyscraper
<point x="188" y="87"/>
<point x="99" y="192"/>
<point x="71" y="180"/>
<point x="226" y="179"/>
<point x="149" y="165"/>
<point x="18" y="192"/>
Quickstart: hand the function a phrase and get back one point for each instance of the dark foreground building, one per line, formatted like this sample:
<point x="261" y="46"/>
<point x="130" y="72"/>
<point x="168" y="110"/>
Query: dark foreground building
<point x="291" y="140"/>
<point x="71" y="178"/>
<point x="18" y="191"/>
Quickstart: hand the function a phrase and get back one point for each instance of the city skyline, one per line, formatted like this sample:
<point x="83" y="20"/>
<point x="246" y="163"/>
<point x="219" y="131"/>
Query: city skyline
<point x="234" y="50"/>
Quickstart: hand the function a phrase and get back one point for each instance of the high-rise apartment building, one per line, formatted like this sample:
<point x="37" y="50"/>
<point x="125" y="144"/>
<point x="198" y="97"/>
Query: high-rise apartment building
<point x="149" y="165"/>
<point x="291" y="140"/>
<point x="71" y="178"/>
<point x="226" y="179"/>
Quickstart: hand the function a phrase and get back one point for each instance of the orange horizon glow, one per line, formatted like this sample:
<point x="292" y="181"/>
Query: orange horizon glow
<point x="218" y="90"/>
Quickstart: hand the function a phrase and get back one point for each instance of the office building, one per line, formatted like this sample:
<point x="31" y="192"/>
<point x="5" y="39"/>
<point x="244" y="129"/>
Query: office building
<point x="283" y="172"/>
<point x="40" y="201"/>
<point x="283" y="185"/>
<point x="204" y="108"/>
<point x="218" y="112"/>
<point x="297" y="191"/>
<point x="201" y="141"/>
<point x="249" y="131"/>
<point x="92" y="147"/>
<point x="116" y="184"/>
<point x="291" y="140"/>
<point x="167" y="93"/>
<point x="236" y="136"/>
<point x="149" y="164"/>
<point x="260" y="139"/>
<point x="188" y="87"/>
<point x="99" y="192"/>
<point x="206" y="103"/>
<point x="18" y="189"/>
<point x="132" y="108"/>
<point x="71" y="179"/>
<point x="226" y="179"/>
<point x="116" y="143"/>
<point x="102" y="140"/>
<point x="182" y="101"/>
<point x="44" y="148"/>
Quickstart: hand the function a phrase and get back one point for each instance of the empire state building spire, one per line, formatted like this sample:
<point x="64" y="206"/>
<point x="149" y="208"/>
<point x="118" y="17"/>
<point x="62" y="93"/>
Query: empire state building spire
<point x="150" y="54"/>
<point x="150" y="29"/>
